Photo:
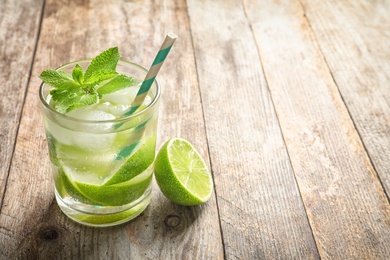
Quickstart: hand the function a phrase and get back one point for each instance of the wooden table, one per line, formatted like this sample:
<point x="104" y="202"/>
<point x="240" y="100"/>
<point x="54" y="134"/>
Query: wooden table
<point x="288" y="102"/>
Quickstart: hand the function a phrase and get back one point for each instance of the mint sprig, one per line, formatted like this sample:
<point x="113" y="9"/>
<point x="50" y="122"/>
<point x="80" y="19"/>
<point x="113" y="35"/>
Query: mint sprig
<point x="80" y="88"/>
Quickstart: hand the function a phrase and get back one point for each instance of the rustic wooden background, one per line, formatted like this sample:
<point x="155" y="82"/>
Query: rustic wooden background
<point x="288" y="101"/>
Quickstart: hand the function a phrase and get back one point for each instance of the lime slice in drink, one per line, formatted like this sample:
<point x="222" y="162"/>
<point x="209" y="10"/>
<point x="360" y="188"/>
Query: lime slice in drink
<point x="116" y="218"/>
<point x="126" y="185"/>
<point x="137" y="163"/>
<point x="181" y="173"/>
<point x="110" y="195"/>
<point x="67" y="186"/>
<point x="118" y="194"/>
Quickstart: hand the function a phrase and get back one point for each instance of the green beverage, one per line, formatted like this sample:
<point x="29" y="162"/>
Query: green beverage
<point x="102" y="158"/>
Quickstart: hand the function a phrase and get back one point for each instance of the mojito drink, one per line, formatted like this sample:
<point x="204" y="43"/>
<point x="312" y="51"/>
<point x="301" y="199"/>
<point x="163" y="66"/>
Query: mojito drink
<point x="102" y="157"/>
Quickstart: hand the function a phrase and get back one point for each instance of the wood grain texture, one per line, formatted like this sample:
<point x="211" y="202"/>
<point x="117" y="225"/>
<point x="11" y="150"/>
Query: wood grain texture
<point x="347" y="208"/>
<point x="288" y="102"/>
<point x="19" y="25"/>
<point x="31" y="223"/>
<point x="262" y="215"/>
<point x="358" y="56"/>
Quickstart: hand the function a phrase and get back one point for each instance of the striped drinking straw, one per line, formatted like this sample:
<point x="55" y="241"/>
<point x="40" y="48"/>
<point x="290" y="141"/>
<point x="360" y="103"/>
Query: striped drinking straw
<point x="152" y="73"/>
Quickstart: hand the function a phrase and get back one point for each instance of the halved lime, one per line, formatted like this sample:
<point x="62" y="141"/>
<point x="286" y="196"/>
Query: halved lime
<point x="181" y="173"/>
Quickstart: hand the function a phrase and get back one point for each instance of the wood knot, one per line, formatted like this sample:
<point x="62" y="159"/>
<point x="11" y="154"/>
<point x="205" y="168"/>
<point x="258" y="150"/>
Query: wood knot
<point x="172" y="221"/>
<point x="48" y="233"/>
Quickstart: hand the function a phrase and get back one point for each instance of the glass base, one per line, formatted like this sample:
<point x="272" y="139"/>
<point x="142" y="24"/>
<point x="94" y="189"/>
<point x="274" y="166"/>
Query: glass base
<point x="106" y="219"/>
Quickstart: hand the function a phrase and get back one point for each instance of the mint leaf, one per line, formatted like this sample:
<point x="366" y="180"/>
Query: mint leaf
<point x="101" y="75"/>
<point x="107" y="60"/>
<point x="78" y="74"/>
<point x="58" y="79"/>
<point x="117" y="83"/>
<point x="87" y="99"/>
<point x="66" y="100"/>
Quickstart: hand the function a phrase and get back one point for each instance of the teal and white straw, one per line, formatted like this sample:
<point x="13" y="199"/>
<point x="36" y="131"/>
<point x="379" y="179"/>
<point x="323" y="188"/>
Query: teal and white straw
<point x="152" y="73"/>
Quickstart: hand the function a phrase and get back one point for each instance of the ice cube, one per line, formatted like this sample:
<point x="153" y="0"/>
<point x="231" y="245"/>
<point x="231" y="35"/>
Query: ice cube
<point x="116" y="110"/>
<point x="60" y="134"/>
<point x="93" y="142"/>
<point x="147" y="100"/>
<point x="86" y="135"/>
<point x="92" y="136"/>
<point x="90" y="114"/>
<point x="80" y="137"/>
<point x="87" y="167"/>
<point x="84" y="140"/>
<point x="122" y="97"/>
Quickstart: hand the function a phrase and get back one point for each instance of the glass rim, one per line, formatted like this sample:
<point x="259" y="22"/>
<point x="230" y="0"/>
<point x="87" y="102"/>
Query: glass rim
<point x="116" y="120"/>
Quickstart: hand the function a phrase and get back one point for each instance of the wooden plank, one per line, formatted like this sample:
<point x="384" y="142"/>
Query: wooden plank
<point x="19" y="26"/>
<point x="262" y="215"/>
<point x="358" y="57"/>
<point x="345" y="202"/>
<point x="31" y="223"/>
